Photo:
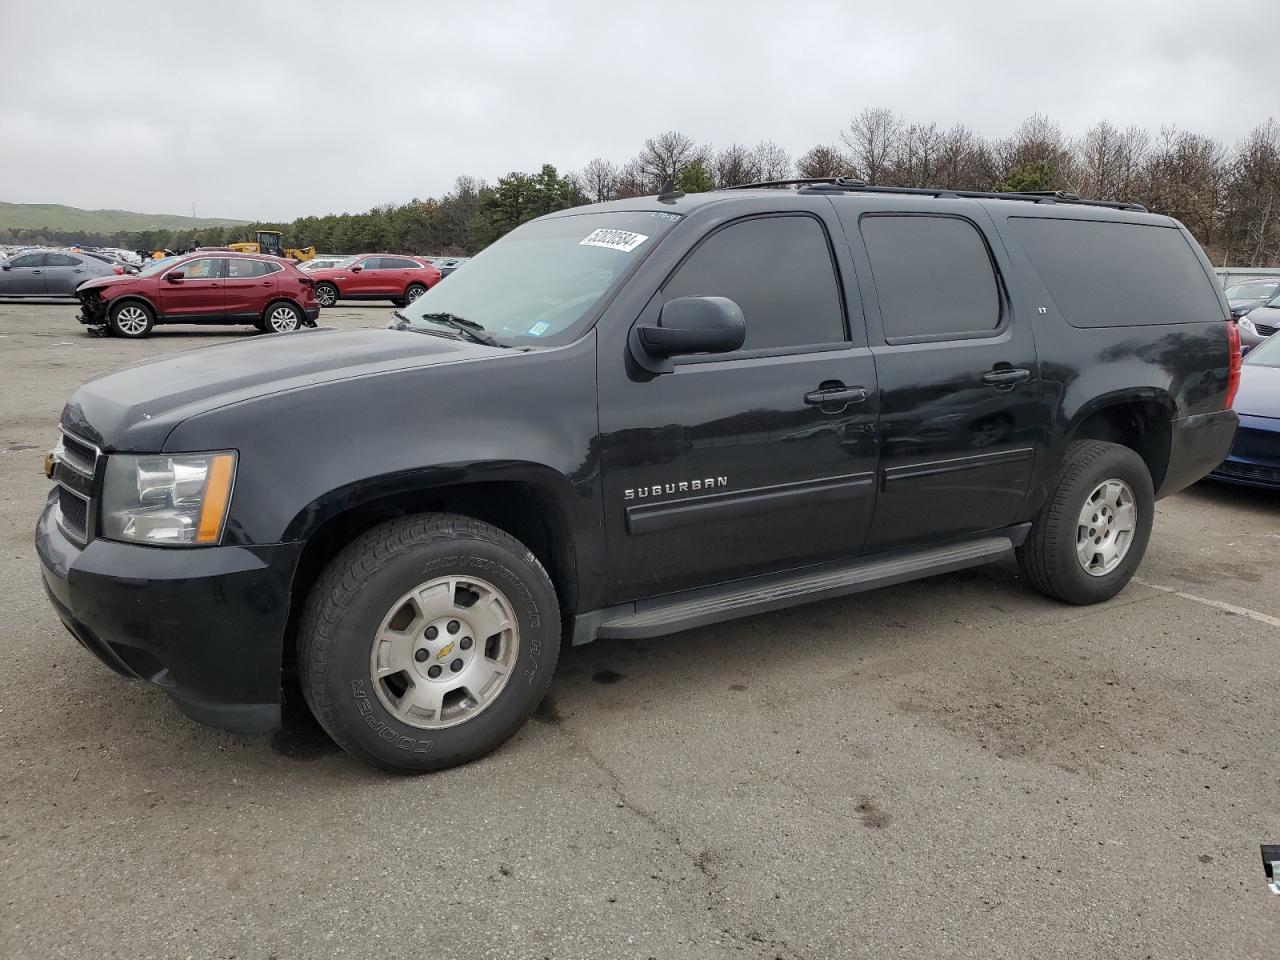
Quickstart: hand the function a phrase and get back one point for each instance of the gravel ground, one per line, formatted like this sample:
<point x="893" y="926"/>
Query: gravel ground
<point x="950" y="768"/>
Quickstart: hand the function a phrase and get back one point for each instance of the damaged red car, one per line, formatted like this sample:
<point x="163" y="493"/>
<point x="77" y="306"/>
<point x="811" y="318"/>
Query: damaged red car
<point x="210" y="287"/>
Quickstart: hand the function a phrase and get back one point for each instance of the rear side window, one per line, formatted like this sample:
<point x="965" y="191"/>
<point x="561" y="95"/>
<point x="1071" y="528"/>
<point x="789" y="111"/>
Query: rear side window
<point x="933" y="277"/>
<point x="396" y="263"/>
<point x="61" y="260"/>
<point x="245" y="269"/>
<point x="778" y="270"/>
<point x="1109" y="274"/>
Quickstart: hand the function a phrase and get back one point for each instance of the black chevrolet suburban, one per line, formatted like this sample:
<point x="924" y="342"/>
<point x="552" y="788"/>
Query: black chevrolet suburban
<point x="631" y="419"/>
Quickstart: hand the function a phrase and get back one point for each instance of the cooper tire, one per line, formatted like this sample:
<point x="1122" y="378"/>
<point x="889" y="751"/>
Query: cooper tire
<point x="1056" y="557"/>
<point x="353" y="606"/>
<point x="131" y="319"/>
<point x="326" y="294"/>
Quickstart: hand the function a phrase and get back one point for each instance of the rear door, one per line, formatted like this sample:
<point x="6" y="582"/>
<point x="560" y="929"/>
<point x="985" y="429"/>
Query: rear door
<point x="961" y="408"/>
<point x="23" y="276"/>
<point x="248" y="285"/>
<point x="198" y="296"/>
<point x="751" y="462"/>
<point x="63" y="272"/>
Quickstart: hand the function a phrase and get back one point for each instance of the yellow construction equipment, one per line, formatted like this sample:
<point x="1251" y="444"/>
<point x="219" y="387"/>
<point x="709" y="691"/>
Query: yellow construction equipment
<point x="272" y="242"/>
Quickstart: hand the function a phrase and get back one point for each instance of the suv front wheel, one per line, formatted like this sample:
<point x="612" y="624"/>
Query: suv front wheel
<point x="1089" y="537"/>
<point x="326" y="294"/>
<point x="428" y="641"/>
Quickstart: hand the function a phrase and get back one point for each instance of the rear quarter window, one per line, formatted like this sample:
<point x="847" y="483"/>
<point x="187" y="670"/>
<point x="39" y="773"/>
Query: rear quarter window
<point x="1113" y="274"/>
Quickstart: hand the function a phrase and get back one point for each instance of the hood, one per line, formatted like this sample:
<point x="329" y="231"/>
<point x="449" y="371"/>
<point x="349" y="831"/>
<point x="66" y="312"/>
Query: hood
<point x="137" y="407"/>
<point x="1259" y="393"/>
<point x="111" y="280"/>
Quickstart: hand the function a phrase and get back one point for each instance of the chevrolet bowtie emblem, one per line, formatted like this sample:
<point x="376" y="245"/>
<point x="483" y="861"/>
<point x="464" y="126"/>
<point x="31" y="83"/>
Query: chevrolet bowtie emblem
<point x="448" y="649"/>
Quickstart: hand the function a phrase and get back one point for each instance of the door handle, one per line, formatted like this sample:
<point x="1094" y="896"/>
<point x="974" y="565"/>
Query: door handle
<point x="834" y="398"/>
<point x="37" y="271"/>
<point x="214" y="284"/>
<point x="1005" y="377"/>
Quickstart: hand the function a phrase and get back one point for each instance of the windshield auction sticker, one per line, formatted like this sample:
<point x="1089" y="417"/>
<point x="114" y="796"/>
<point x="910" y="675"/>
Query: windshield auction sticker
<point x="623" y="240"/>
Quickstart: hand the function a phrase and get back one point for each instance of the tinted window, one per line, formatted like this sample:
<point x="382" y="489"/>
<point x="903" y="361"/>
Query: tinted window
<point x="244" y="269"/>
<point x="397" y="263"/>
<point x="933" y="276"/>
<point x="1110" y="274"/>
<point x="778" y="270"/>
<point x="61" y="260"/>
<point x="369" y="263"/>
<point x="28" y="260"/>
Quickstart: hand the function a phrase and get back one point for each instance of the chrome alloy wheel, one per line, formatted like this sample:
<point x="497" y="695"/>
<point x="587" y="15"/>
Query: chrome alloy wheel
<point x="413" y="293"/>
<point x="132" y="320"/>
<point x="283" y="319"/>
<point x="326" y="297"/>
<point x="1105" y="529"/>
<point x="444" y="652"/>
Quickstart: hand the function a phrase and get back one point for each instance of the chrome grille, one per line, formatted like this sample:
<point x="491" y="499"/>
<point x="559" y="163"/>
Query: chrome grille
<point x="75" y="466"/>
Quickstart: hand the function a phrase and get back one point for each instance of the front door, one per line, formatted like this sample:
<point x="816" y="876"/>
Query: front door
<point x="198" y="295"/>
<point x="370" y="280"/>
<point x="752" y="462"/>
<point x="962" y="413"/>
<point x="23" y="276"/>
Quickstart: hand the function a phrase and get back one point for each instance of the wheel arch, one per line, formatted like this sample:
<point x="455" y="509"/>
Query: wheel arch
<point x="302" y="314"/>
<point x="1141" y="421"/>
<point x="136" y="298"/>
<point x="527" y="504"/>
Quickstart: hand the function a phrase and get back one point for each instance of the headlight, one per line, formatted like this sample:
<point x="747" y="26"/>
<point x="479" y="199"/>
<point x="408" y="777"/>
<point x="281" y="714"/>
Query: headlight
<point x="178" y="500"/>
<point x="1247" y="324"/>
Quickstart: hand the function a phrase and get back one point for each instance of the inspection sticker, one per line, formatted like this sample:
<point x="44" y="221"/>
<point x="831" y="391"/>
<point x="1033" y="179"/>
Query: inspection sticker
<point x="623" y="240"/>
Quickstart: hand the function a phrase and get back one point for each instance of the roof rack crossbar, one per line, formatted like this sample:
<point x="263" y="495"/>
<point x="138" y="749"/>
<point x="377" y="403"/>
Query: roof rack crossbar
<point x="846" y="185"/>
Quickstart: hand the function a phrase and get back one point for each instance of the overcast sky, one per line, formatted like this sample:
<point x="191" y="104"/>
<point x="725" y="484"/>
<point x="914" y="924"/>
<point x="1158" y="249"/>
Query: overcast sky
<point x="272" y="110"/>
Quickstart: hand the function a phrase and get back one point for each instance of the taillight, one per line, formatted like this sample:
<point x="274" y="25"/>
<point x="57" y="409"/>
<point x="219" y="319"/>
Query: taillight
<point x="306" y="281"/>
<point x="1233" y="367"/>
<point x="119" y="270"/>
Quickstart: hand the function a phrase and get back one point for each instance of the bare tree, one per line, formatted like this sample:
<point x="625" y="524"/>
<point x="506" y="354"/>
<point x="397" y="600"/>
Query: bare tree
<point x="823" y="161"/>
<point x="665" y="155"/>
<point x="1252" y="199"/>
<point x="917" y="159"/>
<point x="1039" y="141"/>
<point x="1185" y="177"/>
<point x="965" y="161"/>
<point x="773" y="162"/>
<point x="735" y="164"/>
<point x="633" y="181"/>
<point x="872" y="137"/>
<point x="598" y="180"/>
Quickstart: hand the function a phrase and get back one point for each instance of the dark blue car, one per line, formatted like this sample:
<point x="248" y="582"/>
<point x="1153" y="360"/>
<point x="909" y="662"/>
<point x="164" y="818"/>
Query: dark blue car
<point x="1255" y="455"/>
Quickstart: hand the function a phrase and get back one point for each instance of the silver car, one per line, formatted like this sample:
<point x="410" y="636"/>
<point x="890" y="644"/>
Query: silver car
<point x="1260" y="323"/>
<point x="48" y="273"/>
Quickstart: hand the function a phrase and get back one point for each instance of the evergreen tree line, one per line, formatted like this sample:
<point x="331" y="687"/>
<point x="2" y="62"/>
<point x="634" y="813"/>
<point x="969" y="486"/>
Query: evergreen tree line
<point x="1228" y="196"/>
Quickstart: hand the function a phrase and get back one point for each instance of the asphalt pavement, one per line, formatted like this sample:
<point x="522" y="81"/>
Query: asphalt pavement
<point x="956" y="767"/>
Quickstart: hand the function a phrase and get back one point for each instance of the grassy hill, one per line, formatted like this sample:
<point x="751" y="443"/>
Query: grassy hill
<point x="55" y="216"/>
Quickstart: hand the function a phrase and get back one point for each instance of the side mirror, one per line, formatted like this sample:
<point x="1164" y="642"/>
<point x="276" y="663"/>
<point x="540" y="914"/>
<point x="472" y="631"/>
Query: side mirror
<point x="689" y="325"/>
<point x="5" y="266"/>
<point x="174" y="277"/>
<point x="357" y="268"/>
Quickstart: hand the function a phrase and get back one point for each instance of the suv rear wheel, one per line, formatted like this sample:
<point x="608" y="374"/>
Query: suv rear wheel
<point x="326" y="294"/>
<point x="280" y="318"/>
<point x="428" y="641"/>
<point x="131" y="319"/>
<point x="1091" y="534"/>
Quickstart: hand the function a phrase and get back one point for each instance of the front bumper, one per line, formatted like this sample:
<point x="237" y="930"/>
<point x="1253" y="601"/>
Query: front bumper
<point x="1254" y="460"/>
<point x="1197" y="444"/>
<point x="204" y="624"/>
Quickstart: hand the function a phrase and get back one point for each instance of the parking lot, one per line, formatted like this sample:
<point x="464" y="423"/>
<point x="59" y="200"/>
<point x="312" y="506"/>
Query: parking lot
<point x="956" y="768"/>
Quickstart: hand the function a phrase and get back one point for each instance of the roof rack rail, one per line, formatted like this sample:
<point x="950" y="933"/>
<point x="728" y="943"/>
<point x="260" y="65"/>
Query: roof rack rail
<point x="846" y="185"/>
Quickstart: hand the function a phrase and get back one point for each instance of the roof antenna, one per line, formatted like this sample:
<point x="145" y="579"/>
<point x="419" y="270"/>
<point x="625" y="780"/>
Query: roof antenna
<point x="669" y="192"/>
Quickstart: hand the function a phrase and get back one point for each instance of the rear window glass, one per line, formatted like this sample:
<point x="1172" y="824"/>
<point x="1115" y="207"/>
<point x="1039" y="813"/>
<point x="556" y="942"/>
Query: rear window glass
<point x="1110" y="274"/>
<point x="933" y="277"/>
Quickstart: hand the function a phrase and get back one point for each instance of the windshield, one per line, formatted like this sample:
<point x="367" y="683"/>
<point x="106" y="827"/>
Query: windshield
<point x="540" y="280"/>
<point x="1265" y="354"/>
<point x="155" y="266"/>
<point x="1252" y="289"/>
